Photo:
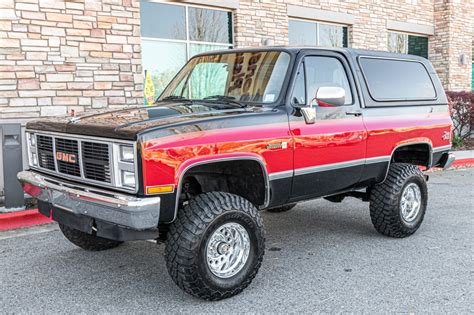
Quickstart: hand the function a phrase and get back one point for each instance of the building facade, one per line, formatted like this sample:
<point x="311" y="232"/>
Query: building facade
<point x="64" y="56"/>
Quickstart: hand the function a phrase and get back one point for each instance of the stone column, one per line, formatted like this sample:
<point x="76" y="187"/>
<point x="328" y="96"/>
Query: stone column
<point x="454" y="35"/>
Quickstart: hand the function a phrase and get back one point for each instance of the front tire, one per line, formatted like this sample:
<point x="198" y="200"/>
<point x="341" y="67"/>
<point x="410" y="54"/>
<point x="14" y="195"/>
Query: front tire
<point x="215" y="246"/>
<point x="398" y="205"/>
<point x="87" y="241"/>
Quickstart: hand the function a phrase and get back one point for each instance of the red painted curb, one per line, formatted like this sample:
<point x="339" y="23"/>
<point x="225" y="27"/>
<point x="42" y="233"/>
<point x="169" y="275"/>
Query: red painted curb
<point x="15" y="220"/>
<point x="464" y="162"/>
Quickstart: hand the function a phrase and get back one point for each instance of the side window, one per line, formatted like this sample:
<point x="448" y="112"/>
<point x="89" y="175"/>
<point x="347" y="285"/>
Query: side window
<point x="408" y="80"/>
<point x="299" y="91"/>
<point x="325" y="71"/>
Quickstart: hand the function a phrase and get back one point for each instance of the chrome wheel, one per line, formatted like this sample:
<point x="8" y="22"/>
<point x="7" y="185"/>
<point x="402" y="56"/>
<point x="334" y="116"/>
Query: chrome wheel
<point x="228" y="250"/>
<point x="410" y="202"/>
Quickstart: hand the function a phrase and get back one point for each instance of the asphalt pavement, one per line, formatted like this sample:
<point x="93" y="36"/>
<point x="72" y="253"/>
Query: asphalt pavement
<point x="320" y="257"/>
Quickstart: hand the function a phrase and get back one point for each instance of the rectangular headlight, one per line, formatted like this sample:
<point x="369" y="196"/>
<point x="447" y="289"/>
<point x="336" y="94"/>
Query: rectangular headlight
<point x="124" y="156"/>
<point x="128" y="179"/>
<point x="31" y="139"/>
<point x="127" y="153"/>
<point x="31" y="148"/>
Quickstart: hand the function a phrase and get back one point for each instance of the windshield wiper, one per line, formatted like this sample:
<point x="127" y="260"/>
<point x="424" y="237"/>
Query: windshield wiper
<point x="229" y="100"/>
<point x="176" y="98"/>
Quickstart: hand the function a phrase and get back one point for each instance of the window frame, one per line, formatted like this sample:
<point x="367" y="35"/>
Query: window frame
<point x="408" y="34"/>
<point x="318" y="23"/>
<point x="388" y="100"/>
<point x="187" y="40"/>
<point x="328" y="54"/>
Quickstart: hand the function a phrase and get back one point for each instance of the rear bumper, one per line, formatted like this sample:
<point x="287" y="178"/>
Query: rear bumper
<point x="447" y="159"/>
<point x="88" y="202"/>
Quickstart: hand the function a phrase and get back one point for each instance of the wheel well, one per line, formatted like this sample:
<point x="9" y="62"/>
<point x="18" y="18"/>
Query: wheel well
<point x="245" y="178"/>
<point x="417" y="154"/>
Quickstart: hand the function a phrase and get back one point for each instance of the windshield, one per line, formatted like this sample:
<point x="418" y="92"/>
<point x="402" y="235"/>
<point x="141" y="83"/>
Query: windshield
<point x="244" y="76"/>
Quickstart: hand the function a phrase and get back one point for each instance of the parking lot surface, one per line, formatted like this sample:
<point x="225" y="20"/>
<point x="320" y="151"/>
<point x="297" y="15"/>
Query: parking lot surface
<point x="320" y="257"/>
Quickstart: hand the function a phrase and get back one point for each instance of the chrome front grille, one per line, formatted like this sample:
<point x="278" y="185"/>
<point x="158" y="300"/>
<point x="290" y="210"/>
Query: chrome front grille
<point x="76" y="158"/>
<point x="84" y="159"/>
<point x="96" y="161"/>
<point x="45" y="152"/>
<point x="67" y="157"/>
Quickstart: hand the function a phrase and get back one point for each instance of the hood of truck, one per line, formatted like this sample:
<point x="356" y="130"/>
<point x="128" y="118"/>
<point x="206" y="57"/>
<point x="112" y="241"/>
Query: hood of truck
<point x="128" y="123"/>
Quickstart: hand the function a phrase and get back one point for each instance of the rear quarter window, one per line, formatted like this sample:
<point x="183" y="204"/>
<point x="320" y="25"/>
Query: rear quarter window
<point x="397" y="80"/>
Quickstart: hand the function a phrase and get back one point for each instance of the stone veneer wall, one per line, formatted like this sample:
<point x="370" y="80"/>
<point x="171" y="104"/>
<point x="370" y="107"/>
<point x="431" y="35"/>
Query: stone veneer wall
<point x="257" y="20"/>
<point x="453" y="21"/>
<point x="60" y="55"/>
<point x="454" y="36"/>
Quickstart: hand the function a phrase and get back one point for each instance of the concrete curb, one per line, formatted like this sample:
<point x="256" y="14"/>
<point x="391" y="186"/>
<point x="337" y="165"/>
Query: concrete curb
<point x="26" y="218"/>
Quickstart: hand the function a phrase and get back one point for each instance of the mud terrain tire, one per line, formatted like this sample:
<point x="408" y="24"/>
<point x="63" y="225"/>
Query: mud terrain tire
<point x="387" y="201"/>
<point x="190" y="240"/>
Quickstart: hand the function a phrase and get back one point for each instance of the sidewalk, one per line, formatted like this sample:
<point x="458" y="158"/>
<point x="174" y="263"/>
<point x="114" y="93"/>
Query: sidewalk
<point x="18" y="219"/>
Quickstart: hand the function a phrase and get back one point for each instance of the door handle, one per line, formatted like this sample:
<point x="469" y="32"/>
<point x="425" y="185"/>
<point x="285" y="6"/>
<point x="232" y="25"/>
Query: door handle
<point x="355" y="113"/>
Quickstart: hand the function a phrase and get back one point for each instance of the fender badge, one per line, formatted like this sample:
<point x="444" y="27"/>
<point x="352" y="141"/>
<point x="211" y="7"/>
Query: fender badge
<point x="446" y="135"/>
<point x="273" y="146"/>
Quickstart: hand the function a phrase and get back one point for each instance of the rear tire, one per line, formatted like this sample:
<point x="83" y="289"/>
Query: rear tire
<point x="398" y="205"/>
<point x="87" y="241"/>
<point x="283" y="208"/>
<point x="215" y="246"/>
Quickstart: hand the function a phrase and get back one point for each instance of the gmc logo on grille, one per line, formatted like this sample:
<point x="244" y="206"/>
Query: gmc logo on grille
<point x="66" y="157"/>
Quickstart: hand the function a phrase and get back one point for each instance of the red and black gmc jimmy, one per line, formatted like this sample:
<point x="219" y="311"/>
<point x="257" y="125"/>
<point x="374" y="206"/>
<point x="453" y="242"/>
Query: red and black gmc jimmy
<point x="237" y="132"/>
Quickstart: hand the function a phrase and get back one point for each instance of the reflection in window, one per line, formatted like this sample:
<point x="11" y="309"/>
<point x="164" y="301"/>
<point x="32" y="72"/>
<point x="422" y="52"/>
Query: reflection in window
<point x="172" y="20"/>
<point x="207" y="79"/>
<point x="408" y="80"/>
<point x="210" y="25"/>
<point x="302" y="33"/>
<point x="247" y="76"/>
<point x="408" y="44"/>
<point x="317" y="34"/>
<point x="195" y="49"/>
<point x="299" y="91"/>
<point x="163" y="60"/>
<point x="323" y="72"/>
<point x="167" y="44"/>
<point x="332" y="35"/>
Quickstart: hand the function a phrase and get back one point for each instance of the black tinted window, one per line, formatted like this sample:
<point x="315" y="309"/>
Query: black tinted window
<point x="389" y="79"/>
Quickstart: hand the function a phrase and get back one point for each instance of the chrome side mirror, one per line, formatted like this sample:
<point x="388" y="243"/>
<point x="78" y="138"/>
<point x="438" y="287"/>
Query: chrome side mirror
<point x="331" y="95"/>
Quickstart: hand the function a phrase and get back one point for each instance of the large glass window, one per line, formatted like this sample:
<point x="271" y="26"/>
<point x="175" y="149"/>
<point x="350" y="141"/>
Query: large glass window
<point x="391" y="79"/>
<point x="307" y="33"/>
<point x="172" y="34"/>
<point x="408" y="44"/>
<point x="247" y="76"/>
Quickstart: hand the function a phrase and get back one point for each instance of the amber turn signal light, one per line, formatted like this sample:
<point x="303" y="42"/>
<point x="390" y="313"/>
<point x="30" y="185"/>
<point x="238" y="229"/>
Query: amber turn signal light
<point x="159" y="189"/>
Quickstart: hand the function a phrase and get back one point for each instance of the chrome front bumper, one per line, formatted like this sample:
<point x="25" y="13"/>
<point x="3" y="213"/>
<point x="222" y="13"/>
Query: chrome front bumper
<point x="124" y="210"/>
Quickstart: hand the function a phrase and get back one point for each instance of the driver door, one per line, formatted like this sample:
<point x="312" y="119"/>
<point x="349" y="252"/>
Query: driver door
<point x="330" y="154"/>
